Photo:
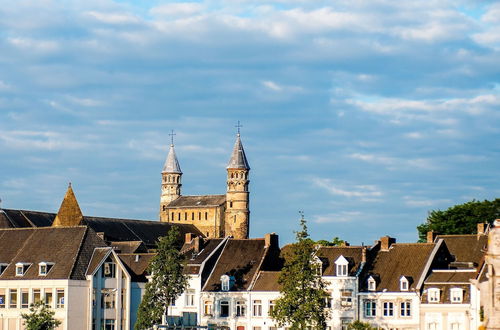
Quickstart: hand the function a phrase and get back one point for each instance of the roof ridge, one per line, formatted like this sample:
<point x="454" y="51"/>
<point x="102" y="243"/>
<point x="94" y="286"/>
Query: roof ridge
<point x="43" y="228"/>
<point x="79" y="251"/>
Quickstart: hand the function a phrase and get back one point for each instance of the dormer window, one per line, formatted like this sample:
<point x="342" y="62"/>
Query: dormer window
<point x="225" y="282"/>
<point x="372" y="284"/>
<point x="44" y="267"/>
<point x="3" y="267"/>
<point x="21" y="268"/>
<point x="404" y="284"/>
<point x="433" y="295"/>
<point x="317" y="265"/>
<point x="342" y="266"/>
<point x="456" y="295"/>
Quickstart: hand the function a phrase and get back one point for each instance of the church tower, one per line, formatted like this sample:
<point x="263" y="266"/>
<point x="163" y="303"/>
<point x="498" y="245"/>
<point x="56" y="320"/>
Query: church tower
<point x="237" y="196"/>
<point x="170" y="181"/>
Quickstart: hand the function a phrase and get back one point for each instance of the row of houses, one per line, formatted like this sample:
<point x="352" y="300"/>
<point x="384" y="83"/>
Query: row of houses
<point x="92" y="272"/>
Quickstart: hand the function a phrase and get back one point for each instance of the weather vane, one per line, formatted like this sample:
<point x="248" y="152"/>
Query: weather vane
<point x="172" y="137"/>
<point x="238" y="126"/>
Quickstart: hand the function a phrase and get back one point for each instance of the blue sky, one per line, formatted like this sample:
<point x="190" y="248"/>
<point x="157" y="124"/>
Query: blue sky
<point x="363" y="114"/>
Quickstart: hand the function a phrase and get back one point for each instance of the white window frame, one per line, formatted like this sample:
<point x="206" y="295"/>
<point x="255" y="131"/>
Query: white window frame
<point x="433" y="295"/>
<point x="225" y="283"/>
<point x="404" y="284"/>
<point x="456" y="295"/>
<point x="22" y="268"/>
<point x="257" y="307"/>
<point x="405" y="308"/>
<point x="369" y="307"/>
<point x="207" y="308"/>
<point x="190" y="295"/>
<point x="372" y="284"/>
<point x="388" y="308"/>
<point x="342" y="266"/>
<point x="44" y="268"/>
<point x="241" y="308"/>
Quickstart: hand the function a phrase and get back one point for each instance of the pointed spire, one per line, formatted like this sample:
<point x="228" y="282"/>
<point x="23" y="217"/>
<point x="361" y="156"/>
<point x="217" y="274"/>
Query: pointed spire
<point x="172" y="164"/>
<point x="238" y="157"/>
<point x="69" y="213"/>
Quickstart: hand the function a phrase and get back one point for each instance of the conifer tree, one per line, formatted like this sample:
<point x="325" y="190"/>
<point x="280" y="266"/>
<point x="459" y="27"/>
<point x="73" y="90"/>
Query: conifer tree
<point x="302" y="302"/>
<point x="166" y="284"/>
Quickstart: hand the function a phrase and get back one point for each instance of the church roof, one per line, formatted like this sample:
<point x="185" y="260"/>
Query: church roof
<point x="69" y="213"/>
<point x="238" y="157"/>
<point x="172" y="164"/>
<point x="198" y="201"/>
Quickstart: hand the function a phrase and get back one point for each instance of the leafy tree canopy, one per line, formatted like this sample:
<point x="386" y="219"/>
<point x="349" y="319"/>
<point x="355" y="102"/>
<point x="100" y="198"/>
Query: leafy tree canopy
<point x="167" y="281"/>
<point x="460" y="219"/>
<point x="336" y="241"/>
<point x="302" y="302"/>
<point x="40" y="317"/>
<point x="358" y="325"/>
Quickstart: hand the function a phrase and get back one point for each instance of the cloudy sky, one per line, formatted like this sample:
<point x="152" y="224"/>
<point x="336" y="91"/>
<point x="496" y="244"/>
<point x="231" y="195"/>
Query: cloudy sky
<point x="363" y="114"/>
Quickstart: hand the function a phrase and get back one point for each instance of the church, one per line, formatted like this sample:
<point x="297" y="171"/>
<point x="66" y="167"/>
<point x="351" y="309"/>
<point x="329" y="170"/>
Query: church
<point x="215" y="216"/>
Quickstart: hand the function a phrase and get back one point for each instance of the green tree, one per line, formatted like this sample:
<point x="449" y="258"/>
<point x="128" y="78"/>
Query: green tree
<point x="460" y="219"/>
<point x="40" y="317"/>
<point x="358" y="325"/>
<point x="167" y="281"/>
<point x="336" y="241"/>
<point x="302" y="302"/>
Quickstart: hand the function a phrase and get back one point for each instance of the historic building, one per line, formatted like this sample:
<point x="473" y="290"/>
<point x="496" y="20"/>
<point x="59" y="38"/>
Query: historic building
<point x="214" y="215"/>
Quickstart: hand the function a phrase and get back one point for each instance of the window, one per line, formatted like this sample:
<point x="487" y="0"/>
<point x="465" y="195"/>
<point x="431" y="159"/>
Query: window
<point x="207" y="308"/>
<point x="190" y="297"/>
<point x="257" y="308"/>
<point x="432" y="326"/>
<point x="455" y="326"/>
<point x="271" y="306"/>
<point x="60" y="298"/>
<point x="185" y="215"/>
<point x="342" y="266"/>
<point x="403" y="284"/>
<point x="13" y="298"/>
<point x="433" y="295"/>
<point x="328" y="300"/>
<point x="341" y="270"/>
<point x="2" y="298"/>
<point x="370" y="307"/>
<point x="24" y="298"/>
<point x="406" y="308"/>
<point x="241" y="308"/>
<point x="48" y="297"/>
<point x="21" y="268"/>
<point x="44" y="268"/>
<point x="344" y="323"/>
<point x="206" y="215"/>
<point x="225" y="282"/>
<point x="3" y="266"/>
<point x="192" y="215"/>
<point x="456" y="295"/>
<point x="346" y="298"/>
<point x="109" y="269"/>
<point x="109" y="324"/>
<point x="36" y="295"/>
<point x="388" y="308"/>
<point x="256" y="328"/>
<point x="224" y="308"/>
<point x="372" y="285"/>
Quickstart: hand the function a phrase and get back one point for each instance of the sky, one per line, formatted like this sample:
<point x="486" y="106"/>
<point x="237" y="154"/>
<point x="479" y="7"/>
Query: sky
<point x="365" y="115"/>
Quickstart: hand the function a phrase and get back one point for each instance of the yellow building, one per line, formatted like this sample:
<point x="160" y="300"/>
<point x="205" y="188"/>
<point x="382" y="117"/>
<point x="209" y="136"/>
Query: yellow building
<point x="214" y="215"/>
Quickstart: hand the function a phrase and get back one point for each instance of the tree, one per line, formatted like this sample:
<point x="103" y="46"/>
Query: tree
<point x="460" y="219"/>
<point x="302" y="302"/>
<point x="40" y="317"/>
<point x="167" y="282"/>
<point x="336" y="241"/>
<point x="358" y="325"/>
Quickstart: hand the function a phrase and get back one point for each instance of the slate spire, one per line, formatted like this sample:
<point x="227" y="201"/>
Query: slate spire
<point x="238" y="157"/>
<point x="69" y="213"/>
<point x="172" y="164"/>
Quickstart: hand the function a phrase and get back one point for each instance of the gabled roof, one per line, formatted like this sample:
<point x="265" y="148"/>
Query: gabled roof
<point x="401" y="259"/>
<point x="240" y="258"/>
<point x="171" y="163"/>
<point x="69" y="213"/>
<point x="136" y="264"/>
<point x="238" y="158"/>
<point x="69" y="249"/>
<point x="267" y="281"/>
<point x="198" y="201"/>
<point x="466" y="248"/>
<point x="329" y="254"/>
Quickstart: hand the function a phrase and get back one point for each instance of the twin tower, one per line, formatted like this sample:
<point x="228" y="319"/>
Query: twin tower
<point x="214" y="215"/>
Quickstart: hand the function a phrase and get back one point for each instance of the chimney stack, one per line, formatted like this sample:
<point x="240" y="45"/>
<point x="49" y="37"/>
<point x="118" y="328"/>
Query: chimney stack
<point x="431" y="236"/>
<point x="271" y="240"/>
<point x="386" y="242"/>
<point x="188" y="237"/>
<point x="363" y="254"/>
<point x="198" y="244"/>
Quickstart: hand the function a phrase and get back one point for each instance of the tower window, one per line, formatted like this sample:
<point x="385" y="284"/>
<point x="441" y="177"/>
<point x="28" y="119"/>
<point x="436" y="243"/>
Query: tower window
<point x="206" y="215"/>
<point x="192" y="215"/>
<point x="199" y="215"/>
<point x="179" y="216"/>
<point x="173" y="216"/>
<point x="230" y="204"/>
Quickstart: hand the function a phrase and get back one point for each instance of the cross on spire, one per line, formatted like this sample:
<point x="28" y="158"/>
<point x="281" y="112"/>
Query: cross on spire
<point x="238" y="126"/>
<point x="172" y="137"/>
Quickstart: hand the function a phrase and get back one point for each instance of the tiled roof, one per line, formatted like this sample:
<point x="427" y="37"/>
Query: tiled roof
<point x="466" y="248"/>
<point x="172" y="164"/>
<point x="267" y="281"/>
<point x="136" y="264"/>
<point x="68" y="248"/>
<point x="240" y="258"/>
<point x="450" y="276"/>
<point x="444" y="296"/>
<point x="238" y="158"/>
<point x="402" y="259"/>
<point x="69" y="213"/>
<point x="128" y="247"/>
<point x="329" y="254"/>
<point x="198" y="201"/>
<point x="97" y="256"/>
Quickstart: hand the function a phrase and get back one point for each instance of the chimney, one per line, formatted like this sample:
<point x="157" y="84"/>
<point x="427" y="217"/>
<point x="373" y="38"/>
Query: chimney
<point x="431" y="236"/>
<point x="385" y="243"/>
<point x="481" y="228"/>
<point x="198" y="244"/>
<point x="345" y="243"/>
<point x="363" y="254"/>
<point x="188" y="237"/>
<point x="271" y="240"/>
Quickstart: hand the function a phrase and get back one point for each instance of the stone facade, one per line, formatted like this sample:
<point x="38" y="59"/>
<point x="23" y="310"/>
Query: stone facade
<point x="492" y="296"/>
<point x="214" y="215"/>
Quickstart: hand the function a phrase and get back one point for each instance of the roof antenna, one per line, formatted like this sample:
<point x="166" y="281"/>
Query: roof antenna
<point x="172" y="137"/>
<point x="238" y="126"/>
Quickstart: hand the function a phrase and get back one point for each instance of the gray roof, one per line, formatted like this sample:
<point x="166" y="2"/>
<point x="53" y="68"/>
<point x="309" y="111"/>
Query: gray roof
<point x="238" y="157"/>
<point x="172" y="164"/>
<point x="198" y="201"/>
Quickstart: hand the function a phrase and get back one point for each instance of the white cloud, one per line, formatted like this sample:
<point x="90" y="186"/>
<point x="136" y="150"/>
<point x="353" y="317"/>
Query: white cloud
<point x="177" y="9"/>
<point x="341" y="217"/>
<point x="357" y="191"/>
<point x="113" y="18"/>
<point x="39" y="140"/>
